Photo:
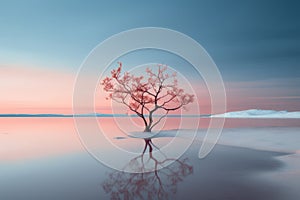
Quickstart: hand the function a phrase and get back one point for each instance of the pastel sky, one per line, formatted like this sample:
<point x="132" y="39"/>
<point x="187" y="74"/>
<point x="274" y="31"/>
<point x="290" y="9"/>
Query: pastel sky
<point x="255" y="44"/>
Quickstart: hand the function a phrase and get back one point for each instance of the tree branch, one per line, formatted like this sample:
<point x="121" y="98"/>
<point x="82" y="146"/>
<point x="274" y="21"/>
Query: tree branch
<point x="157" y="122"/>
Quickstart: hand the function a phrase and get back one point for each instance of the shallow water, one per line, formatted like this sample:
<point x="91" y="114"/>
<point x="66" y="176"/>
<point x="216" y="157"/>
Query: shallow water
<point x="43" y="158"/>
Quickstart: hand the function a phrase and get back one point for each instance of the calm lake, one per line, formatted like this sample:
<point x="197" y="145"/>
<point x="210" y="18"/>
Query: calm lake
<point x="43" y="158"/>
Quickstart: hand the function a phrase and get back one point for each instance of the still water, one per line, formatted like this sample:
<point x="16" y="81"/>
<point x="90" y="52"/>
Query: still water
<point x="43" y="158"/>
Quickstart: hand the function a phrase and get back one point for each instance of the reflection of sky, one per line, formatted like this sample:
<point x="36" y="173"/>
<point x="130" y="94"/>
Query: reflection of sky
<point x="43" y="159"/>
<point x="252" y="42"/>
<point x="47" y="137"/>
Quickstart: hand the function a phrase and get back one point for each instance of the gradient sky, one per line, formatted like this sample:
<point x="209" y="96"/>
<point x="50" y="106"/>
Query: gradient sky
<point x="255" y="44"/>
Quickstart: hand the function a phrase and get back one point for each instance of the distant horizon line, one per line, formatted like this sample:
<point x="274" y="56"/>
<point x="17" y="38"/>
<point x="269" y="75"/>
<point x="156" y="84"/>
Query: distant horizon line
<point x="250" y="113"/>
<point x="93" y="115"/>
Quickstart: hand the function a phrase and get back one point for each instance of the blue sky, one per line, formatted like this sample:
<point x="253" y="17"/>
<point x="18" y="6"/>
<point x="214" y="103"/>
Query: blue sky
<point x="249" y="40"/>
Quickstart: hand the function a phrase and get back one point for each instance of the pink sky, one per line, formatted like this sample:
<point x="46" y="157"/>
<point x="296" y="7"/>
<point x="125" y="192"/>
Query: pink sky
<point x="32" y="89"/>
<point x="35" y="90"/>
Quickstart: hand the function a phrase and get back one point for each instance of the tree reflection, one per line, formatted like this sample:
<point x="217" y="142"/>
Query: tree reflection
<point x="156" y="184"/>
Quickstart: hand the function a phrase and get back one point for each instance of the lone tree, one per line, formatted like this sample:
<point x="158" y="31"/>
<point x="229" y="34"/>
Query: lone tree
<point x="145" y="95"/>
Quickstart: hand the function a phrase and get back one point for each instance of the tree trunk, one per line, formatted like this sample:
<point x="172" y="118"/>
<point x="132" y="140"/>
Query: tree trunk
<point x="148" y="140"/>
<point x="147" y="129"/>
